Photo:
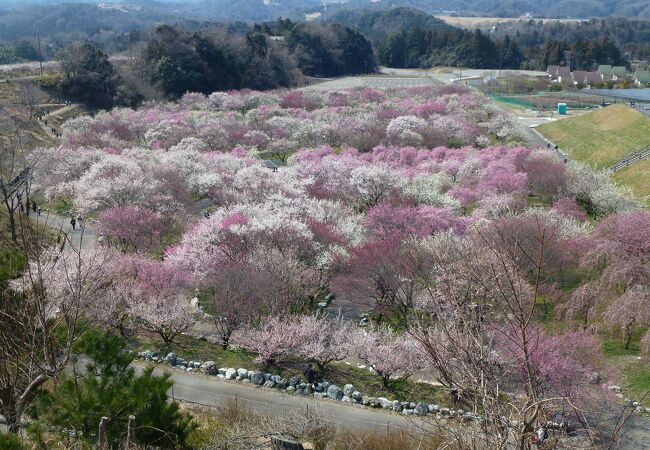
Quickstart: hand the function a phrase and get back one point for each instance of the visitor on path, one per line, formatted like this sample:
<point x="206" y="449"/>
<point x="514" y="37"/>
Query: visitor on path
<point x="39" y="211"/>
<point x="310" y="374"/>
<point x="73" y="222"/>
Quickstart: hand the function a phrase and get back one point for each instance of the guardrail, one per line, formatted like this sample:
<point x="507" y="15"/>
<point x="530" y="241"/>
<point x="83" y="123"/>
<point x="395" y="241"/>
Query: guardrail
<point x="643" y="153"/>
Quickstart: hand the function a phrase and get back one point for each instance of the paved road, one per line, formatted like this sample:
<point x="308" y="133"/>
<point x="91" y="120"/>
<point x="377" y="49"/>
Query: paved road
<point x="214" y="392"/>
<point x="84" y="235"/>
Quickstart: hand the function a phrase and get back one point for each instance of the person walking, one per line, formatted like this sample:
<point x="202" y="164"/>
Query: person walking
<point x="73" y="222"/>
<point x="310" y="374"/>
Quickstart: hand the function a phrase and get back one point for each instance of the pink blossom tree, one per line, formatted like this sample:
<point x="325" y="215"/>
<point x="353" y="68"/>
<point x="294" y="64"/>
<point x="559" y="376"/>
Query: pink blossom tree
<point x="582" y="305"/>
<point x="387" y="353"/>
<point x="387" y="272"/>
<point x="156" y="298"/>
<point x="570" y="208"/>
<point x="131" y="228"/>
<point x="238" y="296"/>
<point x="273" y="338"/>
<point x="617" y="251"/>
<point x="323" y="340"/>
<point x="559" y="365"/>
<point x="629" y="312"/>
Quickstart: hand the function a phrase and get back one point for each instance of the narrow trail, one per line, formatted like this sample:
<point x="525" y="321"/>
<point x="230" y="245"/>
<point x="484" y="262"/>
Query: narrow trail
<point x="84" y="235"/>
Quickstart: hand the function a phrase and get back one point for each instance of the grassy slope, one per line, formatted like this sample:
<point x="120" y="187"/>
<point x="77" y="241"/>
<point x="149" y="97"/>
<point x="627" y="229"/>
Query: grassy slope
<point x="637" y="177"/>
<point x="602" y="137"/>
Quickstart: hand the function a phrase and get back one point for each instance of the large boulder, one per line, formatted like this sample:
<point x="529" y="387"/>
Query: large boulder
<point x="257" y="378"/>
<point x="334" y="392"/>
<point x="209" y="368"/>
<point x="147" y="355"/>
<point x="356" y="395"/>
<point x="231" y="374"/>
<point x="171" y="358"/>
<point x="421" y="409"/>
<point x="385" y="403"/>
<point x="348" y="389"/>
<point x="242" y="373"/>
<point x="293" y="381"/>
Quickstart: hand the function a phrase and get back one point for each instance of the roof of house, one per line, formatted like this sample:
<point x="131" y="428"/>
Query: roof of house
<point x="619" y="70"/>
<point x="605" y="69"/>
<point x="580" y="75"/>
<point x="643" y="76"/>
<point x="552" y="70"/>
<point x="593" y="77"/>
<point x="564" y="72"/>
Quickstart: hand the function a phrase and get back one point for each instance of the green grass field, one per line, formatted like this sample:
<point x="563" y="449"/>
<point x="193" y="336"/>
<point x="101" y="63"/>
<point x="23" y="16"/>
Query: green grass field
<point x="602" y="137"/>
<point x="637" y="178"/>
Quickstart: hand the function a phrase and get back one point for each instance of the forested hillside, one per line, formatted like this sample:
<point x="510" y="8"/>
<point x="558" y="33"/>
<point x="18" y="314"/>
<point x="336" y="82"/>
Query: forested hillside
<point x="405" y="37"/>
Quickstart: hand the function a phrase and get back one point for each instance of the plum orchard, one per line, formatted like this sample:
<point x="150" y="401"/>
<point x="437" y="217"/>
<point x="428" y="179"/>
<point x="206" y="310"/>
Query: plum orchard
<point x="395" y="201"/>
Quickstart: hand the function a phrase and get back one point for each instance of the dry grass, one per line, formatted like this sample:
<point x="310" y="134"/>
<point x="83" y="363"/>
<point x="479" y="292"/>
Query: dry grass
<point x="234" y="426"/>
<point x="481" y="22"/>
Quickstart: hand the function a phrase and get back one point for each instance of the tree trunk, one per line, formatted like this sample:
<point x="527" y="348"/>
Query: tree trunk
<point x="12" y="225"/>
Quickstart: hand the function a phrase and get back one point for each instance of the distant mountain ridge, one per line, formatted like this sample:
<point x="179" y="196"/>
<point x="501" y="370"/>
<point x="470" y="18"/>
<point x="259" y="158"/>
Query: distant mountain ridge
<point x="259" y="10"/>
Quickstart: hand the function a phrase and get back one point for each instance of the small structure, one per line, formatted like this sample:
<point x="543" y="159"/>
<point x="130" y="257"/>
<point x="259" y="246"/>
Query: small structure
<point x="605" y="71"/>
<point x="564" y="75"/>
<point x="272" y="164"/>
<point x="642" y="78"/>
<point x="561" y="108"/>
<point x="619" y="72"/>
<point x="593" y="78"/>
<point x="579" y="76"/>
<point x="552" y="70"/>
